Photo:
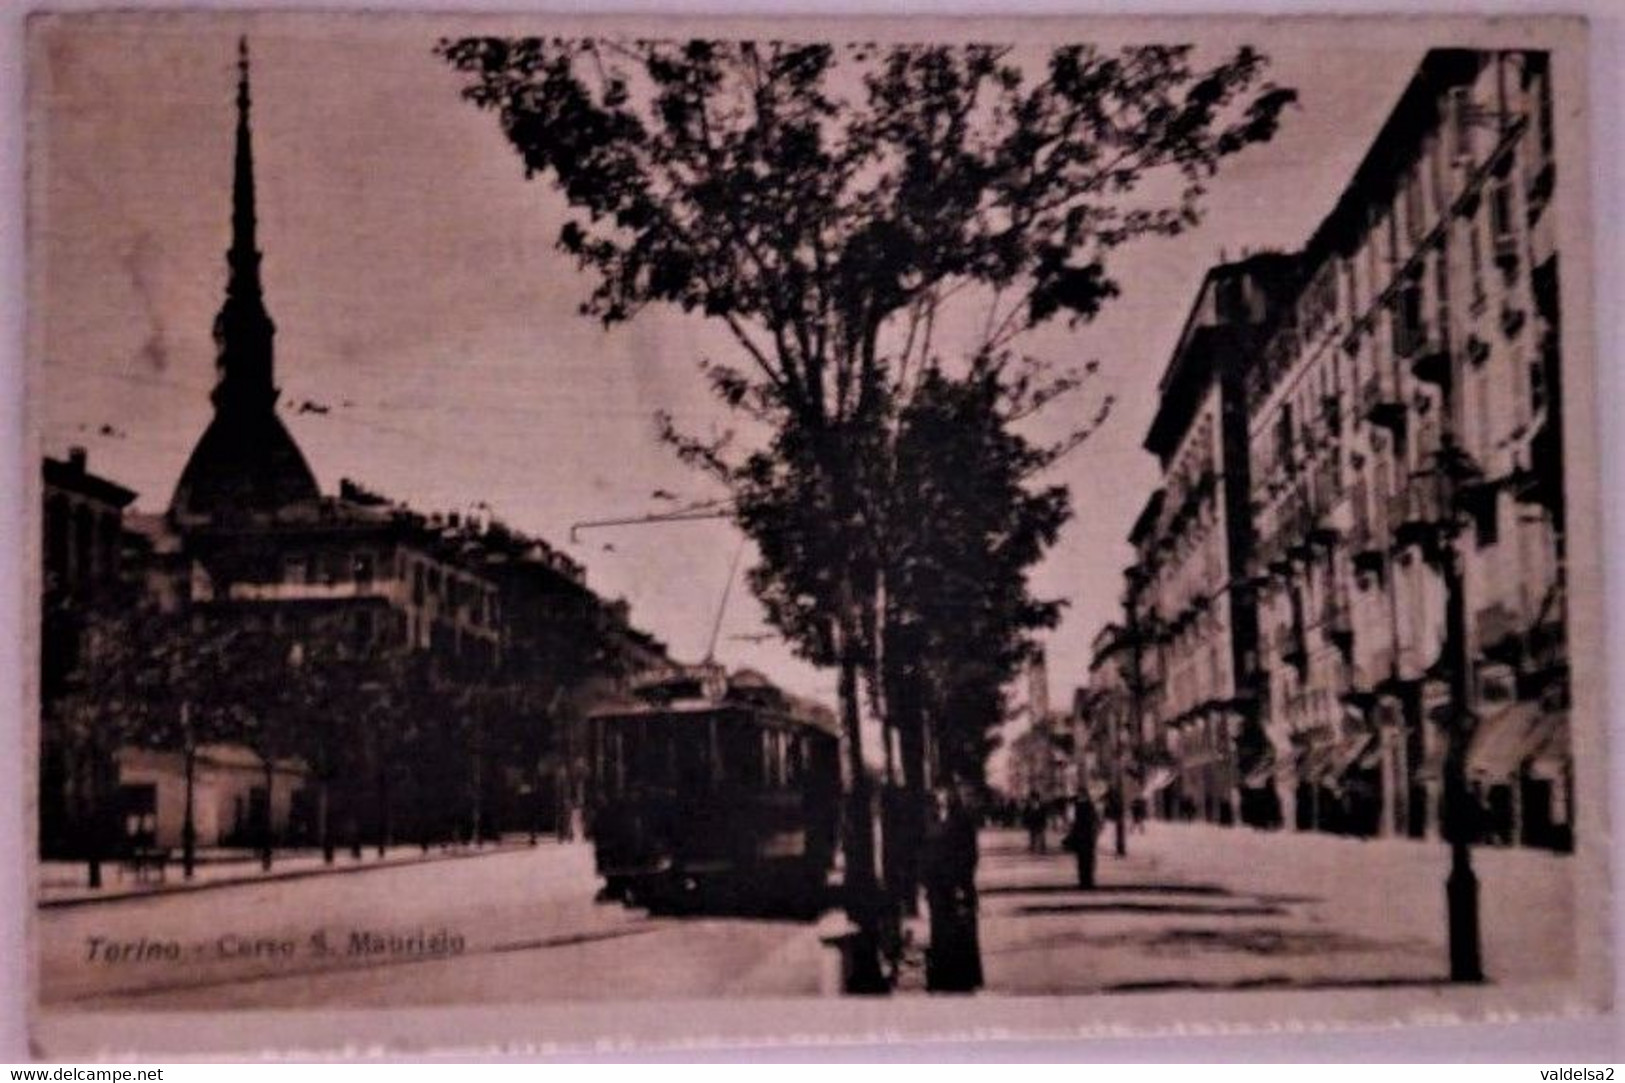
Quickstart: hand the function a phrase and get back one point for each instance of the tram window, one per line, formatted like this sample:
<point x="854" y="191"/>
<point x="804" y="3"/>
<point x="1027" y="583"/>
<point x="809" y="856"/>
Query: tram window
<point x="741" y="754"/>
<point x="615" y="761"/>
<point x="651" y="751"/>
<point x="694" y="760"/>
<point x="775" y="758"/>
<point x="794" y="759"/>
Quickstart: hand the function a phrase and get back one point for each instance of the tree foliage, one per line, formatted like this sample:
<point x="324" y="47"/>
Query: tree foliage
<point x="826" y="205"/>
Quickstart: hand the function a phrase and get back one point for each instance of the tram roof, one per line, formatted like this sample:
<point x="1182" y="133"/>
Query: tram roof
<point x="794" y="711"/>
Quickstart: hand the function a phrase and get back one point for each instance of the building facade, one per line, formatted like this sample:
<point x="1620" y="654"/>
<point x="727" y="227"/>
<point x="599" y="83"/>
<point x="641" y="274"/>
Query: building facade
<point x="1400" y="520"/>
<point x="83" y="569"/>
<point x="1192" y="600"/>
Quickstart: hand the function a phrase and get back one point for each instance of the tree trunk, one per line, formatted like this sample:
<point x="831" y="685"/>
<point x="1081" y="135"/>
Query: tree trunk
<point x="477" y="811"/>
<point x="95" y="828"/>
<point x="863" y="903"/>
<point x="535" y="803"/>
<point x="1119" y="789"/>
<point x="383" y="812"/>
<point x="908" y="825"/>
<point x="324" y="833"/>
<point x="265" y="826"/>
<point x="189" y="825"/>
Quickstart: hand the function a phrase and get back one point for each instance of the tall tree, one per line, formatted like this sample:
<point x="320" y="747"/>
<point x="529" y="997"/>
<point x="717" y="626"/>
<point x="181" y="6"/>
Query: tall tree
<point x="824" y="204"/>
<point x="965" y="526"/>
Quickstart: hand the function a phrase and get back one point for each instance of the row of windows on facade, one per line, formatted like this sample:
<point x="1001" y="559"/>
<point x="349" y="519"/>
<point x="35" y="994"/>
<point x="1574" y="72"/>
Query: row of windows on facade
<point x="1312" y="423"/>
<point x="693" y="758"/>
<point x="81" y="545"/>
<point x="1403" y="302"/>
<point x="360" y="566"/>
<point x="1426" y="192"/>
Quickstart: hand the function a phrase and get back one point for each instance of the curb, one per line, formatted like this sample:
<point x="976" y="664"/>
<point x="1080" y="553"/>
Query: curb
<point x="184" y="888"/>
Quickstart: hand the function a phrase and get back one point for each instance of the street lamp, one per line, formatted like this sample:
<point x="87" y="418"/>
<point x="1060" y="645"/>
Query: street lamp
<point x="1461" y="886"/>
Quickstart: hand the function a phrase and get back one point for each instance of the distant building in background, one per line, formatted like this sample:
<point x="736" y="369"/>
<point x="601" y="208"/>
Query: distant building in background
<point x="1194" y="604"/>
<point x="501" y="619"/>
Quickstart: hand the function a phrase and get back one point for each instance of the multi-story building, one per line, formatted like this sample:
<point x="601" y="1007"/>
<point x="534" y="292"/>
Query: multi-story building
<point x="1193" y="598"/>
<point x="1119" y="742"/>
<point x="83" y="569"/>
<point x="1380" y="451"/>
<point x="1403" y="417"/>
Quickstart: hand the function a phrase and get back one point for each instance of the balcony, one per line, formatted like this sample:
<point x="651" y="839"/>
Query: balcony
<point x="1337" y="622"/>
<point x="1429" y="357"/>
<point x="1417" y="510"/>
<point x="1367" y="545"/>
<point x="1512" y="320"/>
<point x="1380" y="403"/>
<point x="1496" y="627"/>
<point x="342" y="590"/>
<point x="1506" y="250"/>
<point x="1287" y="642"/>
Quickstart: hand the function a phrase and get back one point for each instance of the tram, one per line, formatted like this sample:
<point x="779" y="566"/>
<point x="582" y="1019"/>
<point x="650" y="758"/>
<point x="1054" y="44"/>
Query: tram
<point x="714" y="790"/>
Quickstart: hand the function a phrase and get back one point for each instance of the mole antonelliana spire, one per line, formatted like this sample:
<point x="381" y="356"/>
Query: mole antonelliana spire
<point x="246" y="461"/>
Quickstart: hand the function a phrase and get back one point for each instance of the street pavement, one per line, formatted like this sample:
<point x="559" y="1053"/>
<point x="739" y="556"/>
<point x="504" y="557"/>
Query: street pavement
<point x="66" y="883"/>
<point x="508" y="926"/>
<point x="1198" y="907"/>
<point x="1191" y="907"/>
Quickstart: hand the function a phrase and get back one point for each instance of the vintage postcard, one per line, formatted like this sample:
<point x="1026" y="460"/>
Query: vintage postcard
<point x="557" y="533"/>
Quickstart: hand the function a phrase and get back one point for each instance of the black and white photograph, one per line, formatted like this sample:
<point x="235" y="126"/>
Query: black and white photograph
<point x="669" y="528"/>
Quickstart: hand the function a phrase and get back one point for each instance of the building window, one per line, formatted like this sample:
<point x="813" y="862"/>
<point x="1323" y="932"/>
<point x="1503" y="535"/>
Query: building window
<point x="1413" y="206"/>
<point x="1407" y="324"/>
<point x="56" y="537"/>
<point x="1373" y="283"/>
<point x="1232" y="300"/>
<point x="295" y="568"/>
<point x="1352" y="286"/>
<point x="1461" y="124"/>
<point x="1503" y="231"/>
<point x="418" y="591"/>
<point x="1475" y="262"/>
<point x="84" y="544"/>
<point x="1436" y="175"/>
<point x="361" y="566"/>
<point x="111" y="529"/>
<point x="362" y="629"/>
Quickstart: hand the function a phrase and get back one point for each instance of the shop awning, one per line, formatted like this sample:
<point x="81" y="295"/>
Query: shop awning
<point x="1158" y="780"/>
<point x="1315" y="764"/>
<point x="1349" y="752"/>
<point x="1555" y="754"/>
<point x="1262" y="773"/>
<point x="1504" y="740"/>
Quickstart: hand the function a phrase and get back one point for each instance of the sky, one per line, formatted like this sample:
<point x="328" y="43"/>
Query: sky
<point x="426" y="317"/>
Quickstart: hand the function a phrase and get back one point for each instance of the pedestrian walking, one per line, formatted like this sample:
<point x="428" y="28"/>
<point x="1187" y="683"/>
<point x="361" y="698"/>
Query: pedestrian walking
<point x="953" y="961"/>
<point x="1081" y="839"/>
<point x="1035" y="818"/>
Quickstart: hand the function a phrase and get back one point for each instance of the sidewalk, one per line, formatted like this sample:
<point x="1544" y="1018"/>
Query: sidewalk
<point x="1194" y="906"/>
<point x="65" y="883"/>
